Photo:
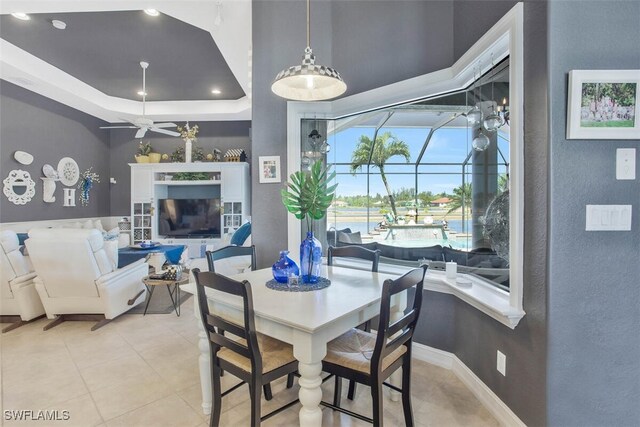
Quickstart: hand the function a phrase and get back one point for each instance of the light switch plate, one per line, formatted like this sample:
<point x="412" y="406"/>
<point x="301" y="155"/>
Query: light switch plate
<point x="608" y="218"/>
<point x="626" y="164"/>
<point x="501" y="363"/>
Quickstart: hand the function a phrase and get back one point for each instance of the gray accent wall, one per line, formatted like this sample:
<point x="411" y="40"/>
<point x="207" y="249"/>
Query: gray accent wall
<point x="593" y="293"/>
<point x="376" y="43"/>
<point x="50" y="131"/>
<point x="220" y="135"/>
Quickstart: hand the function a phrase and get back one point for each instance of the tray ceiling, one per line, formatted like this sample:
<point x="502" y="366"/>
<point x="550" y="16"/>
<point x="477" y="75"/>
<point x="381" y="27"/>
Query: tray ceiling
<point x="93" y="64"/>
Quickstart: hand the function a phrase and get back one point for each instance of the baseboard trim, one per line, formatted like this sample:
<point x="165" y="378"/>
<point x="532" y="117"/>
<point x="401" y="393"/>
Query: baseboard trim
<point x="484" y="394"/>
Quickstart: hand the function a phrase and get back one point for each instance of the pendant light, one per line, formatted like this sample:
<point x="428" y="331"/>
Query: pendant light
<point x="308" y="81"/>
<point x="481" y="141"/>
<point x="493" y="121"/>
<point x="474" y="116"/>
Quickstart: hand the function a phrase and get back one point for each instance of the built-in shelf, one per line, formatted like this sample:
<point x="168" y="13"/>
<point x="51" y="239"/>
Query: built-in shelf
<point x="228" y="182"/>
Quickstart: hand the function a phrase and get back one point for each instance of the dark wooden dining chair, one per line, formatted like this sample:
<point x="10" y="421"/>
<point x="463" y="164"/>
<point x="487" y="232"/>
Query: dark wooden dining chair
<point x="370" y="359"/>
<point x="255" y="358"/>
<point x="354" y="252"/>
<point x="360" y="253"/>
<point x="230" y="252"/>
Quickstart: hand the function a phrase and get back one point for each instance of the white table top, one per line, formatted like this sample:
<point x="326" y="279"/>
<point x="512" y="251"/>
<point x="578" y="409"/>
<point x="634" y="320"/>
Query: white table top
<point x="349" y="292"/>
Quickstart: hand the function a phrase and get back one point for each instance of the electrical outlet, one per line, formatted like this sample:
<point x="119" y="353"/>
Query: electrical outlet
<point x="501" y="364"/>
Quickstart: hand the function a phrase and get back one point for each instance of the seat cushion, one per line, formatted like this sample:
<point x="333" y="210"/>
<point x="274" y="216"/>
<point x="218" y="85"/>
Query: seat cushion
<point x="275" y="354"/>
<point x="354" y="350"/>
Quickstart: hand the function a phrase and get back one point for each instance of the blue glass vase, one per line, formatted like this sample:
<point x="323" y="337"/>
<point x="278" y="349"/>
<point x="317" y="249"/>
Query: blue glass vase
<point x="284" y="267"/>
<point x="310" y="259"/>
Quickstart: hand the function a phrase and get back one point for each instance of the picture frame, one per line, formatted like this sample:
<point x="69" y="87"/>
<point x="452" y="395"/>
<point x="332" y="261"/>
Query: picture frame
<point x="269" y="169"/>
<point x="603" y="104"/>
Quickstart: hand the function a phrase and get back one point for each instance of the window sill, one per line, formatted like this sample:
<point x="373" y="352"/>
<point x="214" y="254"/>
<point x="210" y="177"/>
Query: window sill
<point x="481" y="295"/>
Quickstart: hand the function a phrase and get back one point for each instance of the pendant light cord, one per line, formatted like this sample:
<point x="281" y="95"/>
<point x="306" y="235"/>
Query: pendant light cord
<point x="144" y="90"/>
<point x="308" y="23"/>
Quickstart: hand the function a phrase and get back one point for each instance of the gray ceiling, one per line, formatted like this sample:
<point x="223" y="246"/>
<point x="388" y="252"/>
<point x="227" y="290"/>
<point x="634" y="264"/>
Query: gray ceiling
<point x="104" y="49"/>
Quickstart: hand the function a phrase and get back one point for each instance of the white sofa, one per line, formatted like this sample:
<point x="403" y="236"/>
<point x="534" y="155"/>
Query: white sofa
<point x="18" y="295"/>
<point x="75" y="275"/>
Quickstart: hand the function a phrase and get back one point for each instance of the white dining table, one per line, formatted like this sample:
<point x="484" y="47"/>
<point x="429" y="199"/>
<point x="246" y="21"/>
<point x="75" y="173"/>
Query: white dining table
<point x="306" y="320"/>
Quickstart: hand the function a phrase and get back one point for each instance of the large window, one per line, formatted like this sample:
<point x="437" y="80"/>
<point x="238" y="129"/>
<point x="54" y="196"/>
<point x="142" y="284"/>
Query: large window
<point x="423" y="181"/>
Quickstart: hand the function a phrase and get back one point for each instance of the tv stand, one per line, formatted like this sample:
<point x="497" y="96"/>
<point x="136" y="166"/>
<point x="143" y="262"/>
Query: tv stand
<point x="151" y="182"/>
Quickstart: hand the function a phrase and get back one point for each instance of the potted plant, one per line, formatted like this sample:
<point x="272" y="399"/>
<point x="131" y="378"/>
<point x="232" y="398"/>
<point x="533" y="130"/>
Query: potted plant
<point x="307" y="196"/>
<point x="143" y="152"/>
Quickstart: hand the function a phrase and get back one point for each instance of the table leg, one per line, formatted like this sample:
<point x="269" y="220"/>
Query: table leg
<point x="150" y="289"/>
<point x="175" y="301"/>
<point x="204" y="362"/>
<point x="309" y="354"/>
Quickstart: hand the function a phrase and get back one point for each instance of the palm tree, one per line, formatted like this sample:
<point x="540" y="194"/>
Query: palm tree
<point x="385" y="147"/>
<point x="461" y="196"/>
<point x="503" y="182"/>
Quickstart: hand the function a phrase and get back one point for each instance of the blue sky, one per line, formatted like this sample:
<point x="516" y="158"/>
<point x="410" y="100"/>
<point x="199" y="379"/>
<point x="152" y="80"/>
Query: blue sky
<point x="446" y="146"/>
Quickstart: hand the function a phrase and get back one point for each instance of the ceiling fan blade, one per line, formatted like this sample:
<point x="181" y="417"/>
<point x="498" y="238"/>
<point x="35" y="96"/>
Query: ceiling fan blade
<point x="118" y="127"/>
<point x="141" y="132"/>
<point x="164" y="131"/>
<point x="165" y="125"/>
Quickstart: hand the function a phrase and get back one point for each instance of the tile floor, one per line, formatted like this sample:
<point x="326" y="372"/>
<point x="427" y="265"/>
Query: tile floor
<point x="143" y="371"/>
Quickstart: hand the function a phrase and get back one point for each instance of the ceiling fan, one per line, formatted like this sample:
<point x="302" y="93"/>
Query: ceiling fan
<point x="142" y="123"/>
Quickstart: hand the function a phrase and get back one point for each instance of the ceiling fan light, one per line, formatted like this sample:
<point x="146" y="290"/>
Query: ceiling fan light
<point x="308" y="81"/>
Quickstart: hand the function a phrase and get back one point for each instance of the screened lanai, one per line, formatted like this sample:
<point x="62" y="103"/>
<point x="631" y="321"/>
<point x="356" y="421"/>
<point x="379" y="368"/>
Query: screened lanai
<point x="421" y="175"/>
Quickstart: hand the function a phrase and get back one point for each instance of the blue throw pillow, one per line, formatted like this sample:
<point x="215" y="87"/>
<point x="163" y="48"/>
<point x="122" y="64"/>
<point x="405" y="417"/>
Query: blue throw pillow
<point x="22" y="237"/>
<point x="241" y="234"/>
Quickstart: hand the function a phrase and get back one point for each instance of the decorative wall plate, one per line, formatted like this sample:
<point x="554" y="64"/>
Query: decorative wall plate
<point x="68" y="171"/>
<point x="23" y="157"/>
<point x="19" y="187"/>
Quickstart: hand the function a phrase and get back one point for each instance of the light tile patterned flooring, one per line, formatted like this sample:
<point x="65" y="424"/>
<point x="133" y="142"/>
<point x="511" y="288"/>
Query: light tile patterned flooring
<point x="143" y="371"/>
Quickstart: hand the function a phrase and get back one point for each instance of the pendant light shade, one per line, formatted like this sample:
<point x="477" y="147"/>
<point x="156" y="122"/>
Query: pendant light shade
<point x="308" y="81"/>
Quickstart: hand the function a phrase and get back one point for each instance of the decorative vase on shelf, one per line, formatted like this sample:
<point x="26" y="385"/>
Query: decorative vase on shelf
<point x="187" y="150"/>
<point x="310" y="259"/>
<point x="154" y="157"/>
<point x="284" y="268"/>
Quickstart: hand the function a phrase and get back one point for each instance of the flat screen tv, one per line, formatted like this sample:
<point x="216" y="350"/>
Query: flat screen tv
<point x="189" y="218"/>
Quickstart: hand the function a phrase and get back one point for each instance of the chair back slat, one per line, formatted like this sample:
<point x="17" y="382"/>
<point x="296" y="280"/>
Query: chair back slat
<point x="214" y="324"/>
<point x="402" y="323"/>
<point x="396" y="342"/>
<point x="226" y="326"/>
<point x="230" y="252"/>
<point x="385" y="342"/>
<point x="354" y="252"/>
<point x="233" y="345"/>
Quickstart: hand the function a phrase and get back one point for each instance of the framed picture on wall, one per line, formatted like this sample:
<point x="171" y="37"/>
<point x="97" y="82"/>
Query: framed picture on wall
<point x="269" y="168"/>
<point x="603" y="104"/>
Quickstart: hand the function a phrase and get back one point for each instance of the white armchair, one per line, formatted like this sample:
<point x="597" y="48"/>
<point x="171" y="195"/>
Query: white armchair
<point x="75" y="276"/>
<point x="18" y="296"/>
